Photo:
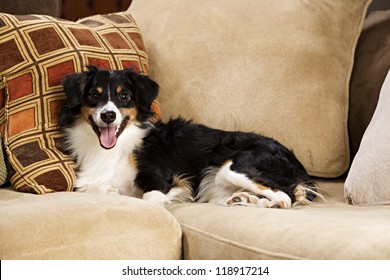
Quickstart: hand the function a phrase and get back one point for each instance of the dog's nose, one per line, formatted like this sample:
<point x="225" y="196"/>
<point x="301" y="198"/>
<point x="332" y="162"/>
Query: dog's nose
<point x="108" y="117"/>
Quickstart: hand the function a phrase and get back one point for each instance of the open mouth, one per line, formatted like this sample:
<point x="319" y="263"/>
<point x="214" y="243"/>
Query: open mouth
<point x="108" y="135"/>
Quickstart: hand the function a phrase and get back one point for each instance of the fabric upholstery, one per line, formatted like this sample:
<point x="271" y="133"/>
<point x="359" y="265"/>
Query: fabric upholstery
<point x="325" y="230"/>
<point x="372" y="61"/>
<point x="368" y="179"/>
<point x="3" y="168"/>
<point x="280" y="68"/>
<point x="68" y="225"/>
<point x="37" y="52"/>
<point x="23" y="7"/>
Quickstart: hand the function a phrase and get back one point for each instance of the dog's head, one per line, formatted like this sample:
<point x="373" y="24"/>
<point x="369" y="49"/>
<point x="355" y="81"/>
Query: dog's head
<point x="110" y="100"/>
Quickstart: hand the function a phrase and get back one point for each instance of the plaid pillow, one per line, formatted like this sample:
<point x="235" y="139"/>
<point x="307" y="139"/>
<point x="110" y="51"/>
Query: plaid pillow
<point x="36" y="53"/>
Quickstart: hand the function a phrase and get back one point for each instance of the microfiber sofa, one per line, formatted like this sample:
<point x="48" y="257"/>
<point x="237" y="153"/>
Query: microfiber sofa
<point x="310" y="74"/>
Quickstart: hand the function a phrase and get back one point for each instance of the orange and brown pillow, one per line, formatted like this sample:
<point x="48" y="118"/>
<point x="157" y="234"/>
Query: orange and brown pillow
<point x="36" y="53"/>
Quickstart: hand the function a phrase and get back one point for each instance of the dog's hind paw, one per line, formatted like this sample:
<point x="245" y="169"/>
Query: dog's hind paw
<point x="242" y="198"/>
<point x="248" y="199"/>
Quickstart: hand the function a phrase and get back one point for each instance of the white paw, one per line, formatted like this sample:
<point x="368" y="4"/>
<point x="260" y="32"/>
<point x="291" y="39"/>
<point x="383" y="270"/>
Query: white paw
<point x="281" y="200"/>
<point x="155" y="197"/>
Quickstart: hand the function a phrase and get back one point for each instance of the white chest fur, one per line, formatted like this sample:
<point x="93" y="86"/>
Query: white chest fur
<point x="101" y="170"/>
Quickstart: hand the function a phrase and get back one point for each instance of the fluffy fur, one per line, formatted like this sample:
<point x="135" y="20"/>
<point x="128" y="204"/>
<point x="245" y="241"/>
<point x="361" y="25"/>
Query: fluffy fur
<point x="106" y="121"/>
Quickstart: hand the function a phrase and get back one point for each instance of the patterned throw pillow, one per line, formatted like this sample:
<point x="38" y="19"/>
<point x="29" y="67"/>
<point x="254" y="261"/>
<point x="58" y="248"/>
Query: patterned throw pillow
<point x="36" y="53"/>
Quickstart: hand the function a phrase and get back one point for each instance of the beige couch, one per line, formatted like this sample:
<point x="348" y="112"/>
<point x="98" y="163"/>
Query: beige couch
<point x="66" y="225"/>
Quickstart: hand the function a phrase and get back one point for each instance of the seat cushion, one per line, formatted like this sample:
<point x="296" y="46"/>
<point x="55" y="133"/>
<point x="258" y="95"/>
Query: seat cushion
<point x="331" y="230"/>
<point x="68" y="225"/>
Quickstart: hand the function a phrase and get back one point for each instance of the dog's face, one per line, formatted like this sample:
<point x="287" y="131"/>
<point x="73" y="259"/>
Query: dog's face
<point x="110" y="100"/>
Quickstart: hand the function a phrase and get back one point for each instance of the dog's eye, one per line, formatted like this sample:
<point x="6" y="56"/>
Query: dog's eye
<point x="94" y="97"/>
<point x="124" y="96"/>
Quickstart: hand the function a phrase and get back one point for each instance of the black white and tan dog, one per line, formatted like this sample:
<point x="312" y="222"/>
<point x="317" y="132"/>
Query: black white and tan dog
<point x="106" y="122"/>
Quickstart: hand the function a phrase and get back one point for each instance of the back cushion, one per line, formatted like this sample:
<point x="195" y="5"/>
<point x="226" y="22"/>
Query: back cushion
<point x="279" y="68"/>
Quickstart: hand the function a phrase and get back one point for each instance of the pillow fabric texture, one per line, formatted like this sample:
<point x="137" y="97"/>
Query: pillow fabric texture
<point x="36" y="53"/>
<point x="3" y="167"/>
<point x="367" y="182"/>
<point x="372" y="61"/>
<point x="279" y="68"/>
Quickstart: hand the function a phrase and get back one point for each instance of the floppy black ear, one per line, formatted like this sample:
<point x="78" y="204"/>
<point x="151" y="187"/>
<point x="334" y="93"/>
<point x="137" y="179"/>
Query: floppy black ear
<point x="146" y="90"/>
<point x="75" y="84"/>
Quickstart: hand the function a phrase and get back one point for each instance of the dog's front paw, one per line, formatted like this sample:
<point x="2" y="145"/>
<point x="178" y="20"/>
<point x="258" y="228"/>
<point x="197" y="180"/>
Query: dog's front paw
<point x="156" y="197"/>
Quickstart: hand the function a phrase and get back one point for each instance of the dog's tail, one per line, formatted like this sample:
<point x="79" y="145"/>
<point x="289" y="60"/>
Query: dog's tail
<point x="306" y="192"/>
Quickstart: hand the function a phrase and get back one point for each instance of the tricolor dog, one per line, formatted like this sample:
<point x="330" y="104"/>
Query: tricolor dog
<point x="106" y="121"/>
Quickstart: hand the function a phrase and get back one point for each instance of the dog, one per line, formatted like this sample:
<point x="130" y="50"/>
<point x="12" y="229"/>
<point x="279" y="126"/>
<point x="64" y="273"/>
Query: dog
<point x="106" y="120"/>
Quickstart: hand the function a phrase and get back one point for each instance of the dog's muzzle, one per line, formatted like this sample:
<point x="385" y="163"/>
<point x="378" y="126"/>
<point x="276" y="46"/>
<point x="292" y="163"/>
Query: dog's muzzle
<point x="108" y="133"/>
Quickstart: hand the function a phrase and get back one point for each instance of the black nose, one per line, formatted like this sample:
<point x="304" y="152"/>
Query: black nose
<point x="108" y="117"/>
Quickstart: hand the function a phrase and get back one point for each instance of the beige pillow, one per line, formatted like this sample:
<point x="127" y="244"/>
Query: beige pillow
<point x="368" y="181"/>
<point x="280" y="68"/>
<point x="372" y="61"/>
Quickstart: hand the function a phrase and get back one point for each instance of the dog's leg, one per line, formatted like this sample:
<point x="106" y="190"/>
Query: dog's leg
<point x="225" y="177"/>
<point x="180" y="191"/>
<point x="175" y="195"/>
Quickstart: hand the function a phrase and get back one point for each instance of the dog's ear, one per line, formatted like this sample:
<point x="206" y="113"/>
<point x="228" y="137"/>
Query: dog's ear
<point x="75" y="84"/>
<point x="146" y="90"/>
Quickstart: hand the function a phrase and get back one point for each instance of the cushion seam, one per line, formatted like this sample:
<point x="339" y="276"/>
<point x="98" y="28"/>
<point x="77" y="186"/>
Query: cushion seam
<point x="238" y="244"/>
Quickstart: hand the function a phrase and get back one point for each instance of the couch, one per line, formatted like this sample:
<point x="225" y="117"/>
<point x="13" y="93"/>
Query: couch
<point x="319" y="105"/>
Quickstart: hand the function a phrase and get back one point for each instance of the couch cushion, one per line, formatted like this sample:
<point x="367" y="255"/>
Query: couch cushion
<point x="67" y="225"/>
<point x="331" y="230"/>
<point x="280" y="68"/>
<point x="368" y="179"/>
<point x="372" y="61"/>
<point x="37" y="52"/>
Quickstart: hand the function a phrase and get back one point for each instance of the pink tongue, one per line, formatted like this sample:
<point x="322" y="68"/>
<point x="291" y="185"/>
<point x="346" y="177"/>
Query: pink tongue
<point x="107" y="137"/>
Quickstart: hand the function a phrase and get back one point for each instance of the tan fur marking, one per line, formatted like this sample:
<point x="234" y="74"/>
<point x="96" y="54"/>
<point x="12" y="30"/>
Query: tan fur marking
<point x="180" y="181"/>
<point x="86" y="112"/>
<point x="130" y="112"/>
<point x="226" y="163"/>
<point x="186" y="195"/>
<point x="119" y="90"/>
<point x="262" y="187"/>
<point x="133" y="161"/>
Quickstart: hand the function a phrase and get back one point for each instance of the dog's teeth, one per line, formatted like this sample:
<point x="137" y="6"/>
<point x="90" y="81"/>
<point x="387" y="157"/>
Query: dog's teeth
<point x="117" y="129"/>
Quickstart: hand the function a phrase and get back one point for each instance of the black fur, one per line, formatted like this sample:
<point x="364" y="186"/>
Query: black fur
<point x="182" y="147"/>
